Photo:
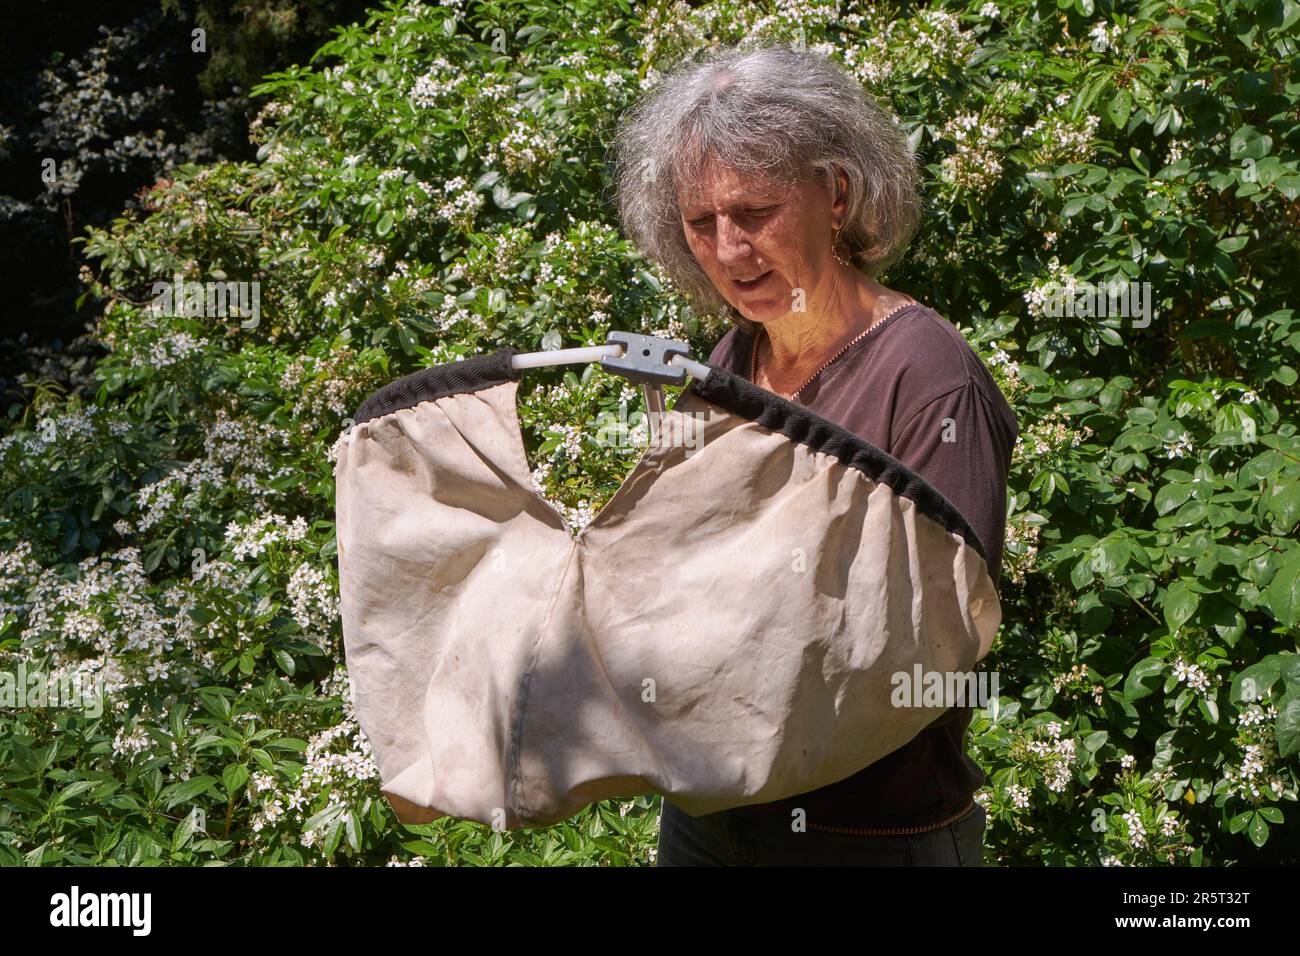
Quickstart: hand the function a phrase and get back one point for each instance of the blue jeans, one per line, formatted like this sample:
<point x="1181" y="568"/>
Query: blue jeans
<point x="728" y="839"/>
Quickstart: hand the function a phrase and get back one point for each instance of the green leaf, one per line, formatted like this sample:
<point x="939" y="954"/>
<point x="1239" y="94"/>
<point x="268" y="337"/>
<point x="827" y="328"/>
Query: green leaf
<point x="1074" y="206"/>
<point x="1282" y="501"/>
<point x="385" y="224"/>
<point x="330" y="813"/>
<point x="1283" y="594"/>
<point x="1249" y="143"/>
<point x="1179" y="604"/>
<point x="1193" y="512"/>
<point x="1083" y="387"/>
<point x="186" y="790"/>
<point x="1290" y="16"/>
<point x="1081" y="574"/>
<point x="1258" y="830"/>
<point x="1287" y="726"/>
<point x="1164" y="751"/>
<point x="1171" y="496"/>
<point x="1136" y="685"/>
<point x="154" y="556"/>
<point x="73" y="790"/>
<point x="188" y="826"/>
<point x="234" y="777"/>
<point x="1223" y="618"/>
<point x="285" y="660"/>
<point x="1119" y="107"/>
<point x="1289" y="665"/>
<point x="1255" y="681"/>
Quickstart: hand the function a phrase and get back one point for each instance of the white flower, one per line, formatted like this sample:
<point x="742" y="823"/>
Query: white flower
<point x="1251" y="716"/>
<point x="1197" y="679"/>
<point x="1104" y="37"/>
<point x="1137" y="834"/>
<point x="1180" y="447"/>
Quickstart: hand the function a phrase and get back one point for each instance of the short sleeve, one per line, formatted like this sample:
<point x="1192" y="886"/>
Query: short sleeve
<point x="961" y="444"/>
<point x="726" y="354"/>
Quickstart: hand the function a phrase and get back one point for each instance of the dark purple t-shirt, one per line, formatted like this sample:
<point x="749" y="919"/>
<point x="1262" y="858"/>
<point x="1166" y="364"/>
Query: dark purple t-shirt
<point x="914" y="388"/>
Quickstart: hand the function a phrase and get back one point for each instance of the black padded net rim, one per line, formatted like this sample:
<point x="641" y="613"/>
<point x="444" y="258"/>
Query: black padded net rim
<point x="439" y="381"/>
<point x="722" y="388"/>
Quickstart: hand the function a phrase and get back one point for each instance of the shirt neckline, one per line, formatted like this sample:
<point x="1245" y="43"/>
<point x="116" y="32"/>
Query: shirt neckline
<point x="852" y="347"/>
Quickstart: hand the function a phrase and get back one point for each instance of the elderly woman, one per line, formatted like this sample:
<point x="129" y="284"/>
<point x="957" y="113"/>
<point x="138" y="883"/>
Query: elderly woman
<point x="770" y="187"/>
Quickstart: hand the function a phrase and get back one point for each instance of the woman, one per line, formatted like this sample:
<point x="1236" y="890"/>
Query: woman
<point x="770" y="187"/>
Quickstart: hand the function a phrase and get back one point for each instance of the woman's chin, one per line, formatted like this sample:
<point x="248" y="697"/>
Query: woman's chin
<point x="763" y="311"/>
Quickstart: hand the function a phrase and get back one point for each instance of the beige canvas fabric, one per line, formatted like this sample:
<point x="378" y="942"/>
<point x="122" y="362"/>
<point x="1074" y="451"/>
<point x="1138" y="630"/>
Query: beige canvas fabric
<point x="724" y="632"/>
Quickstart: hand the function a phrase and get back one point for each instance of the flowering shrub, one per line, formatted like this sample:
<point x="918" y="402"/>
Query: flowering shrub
<point x="434" y="189"/>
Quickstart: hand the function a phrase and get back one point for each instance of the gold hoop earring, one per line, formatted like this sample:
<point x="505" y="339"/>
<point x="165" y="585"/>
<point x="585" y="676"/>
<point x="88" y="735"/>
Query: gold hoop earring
<point x="835" y="242"/>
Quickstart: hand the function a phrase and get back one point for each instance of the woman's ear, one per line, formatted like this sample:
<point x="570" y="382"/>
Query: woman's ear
<point x="839" y="195"/>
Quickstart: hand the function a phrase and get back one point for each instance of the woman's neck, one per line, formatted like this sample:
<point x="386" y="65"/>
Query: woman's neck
<point x="792" y="348"/>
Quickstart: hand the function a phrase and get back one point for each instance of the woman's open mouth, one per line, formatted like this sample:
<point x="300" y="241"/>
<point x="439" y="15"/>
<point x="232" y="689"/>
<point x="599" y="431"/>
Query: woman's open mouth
<point x="754" y="282"/>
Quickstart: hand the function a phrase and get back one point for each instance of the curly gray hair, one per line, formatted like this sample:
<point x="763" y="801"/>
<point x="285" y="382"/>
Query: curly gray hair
<point x="773" y="110"/>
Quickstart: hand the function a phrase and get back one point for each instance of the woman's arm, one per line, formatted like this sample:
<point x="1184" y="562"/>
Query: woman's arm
<point x="961" y="443"/>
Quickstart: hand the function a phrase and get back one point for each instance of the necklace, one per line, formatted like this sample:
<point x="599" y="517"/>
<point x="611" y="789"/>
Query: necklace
<point x="753" y="351"/>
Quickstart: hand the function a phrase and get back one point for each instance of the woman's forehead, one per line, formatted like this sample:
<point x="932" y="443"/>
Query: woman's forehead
<point x="716" y="184"/>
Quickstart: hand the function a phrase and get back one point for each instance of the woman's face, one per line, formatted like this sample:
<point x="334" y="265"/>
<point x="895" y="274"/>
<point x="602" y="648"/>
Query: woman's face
<point x="739" y="227"/>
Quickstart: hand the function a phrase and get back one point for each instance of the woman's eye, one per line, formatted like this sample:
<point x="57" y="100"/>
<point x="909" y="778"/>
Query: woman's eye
<point x="757" y="212"/>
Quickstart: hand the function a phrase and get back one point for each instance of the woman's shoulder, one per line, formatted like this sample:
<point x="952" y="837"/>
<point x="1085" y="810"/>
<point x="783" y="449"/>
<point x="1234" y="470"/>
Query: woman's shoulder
<point x="921" y="358"/>
<point x="730" y="350"/>
<point x="925" y="342"/>
<point x="931" y="355"/>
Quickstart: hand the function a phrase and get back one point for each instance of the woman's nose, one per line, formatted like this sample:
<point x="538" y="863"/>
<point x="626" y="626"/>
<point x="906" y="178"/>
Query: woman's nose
<point x="733" y="242"/>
